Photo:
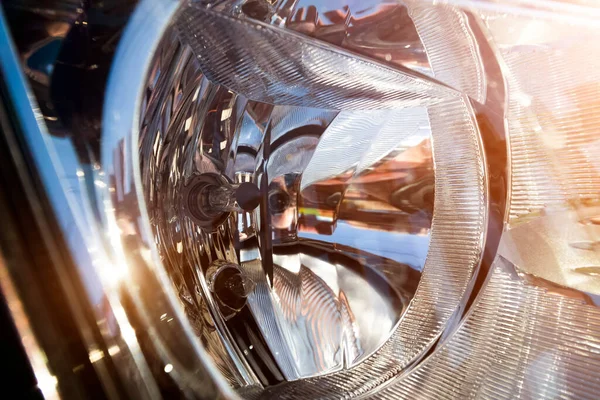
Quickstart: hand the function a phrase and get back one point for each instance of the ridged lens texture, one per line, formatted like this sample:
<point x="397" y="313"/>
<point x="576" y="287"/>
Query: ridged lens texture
<point x="534" y="330"/>
<point x="278" y="66"/>
<point x="552" y="70"/>
<point x="519" y="341"/>
<point x="450" y="45"/>
<point x="363" y="126"/>
<point x="553" y="77"/>
<point x="343" y="148"/>
<point x="454" y="253"/>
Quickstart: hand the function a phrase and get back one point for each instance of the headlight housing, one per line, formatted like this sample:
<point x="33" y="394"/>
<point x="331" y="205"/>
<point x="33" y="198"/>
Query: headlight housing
<point x="359" y="199"/>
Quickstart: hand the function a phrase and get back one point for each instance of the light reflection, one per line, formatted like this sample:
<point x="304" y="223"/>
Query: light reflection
<point x="95" y="355"/>
<point x="113" y="350"/>
<point x="127" y="331"/>
<point x="47" y="382"/>
<point x="48" y="385"/>
<point x="112" y="274"/>
<point x="382" y="199"/>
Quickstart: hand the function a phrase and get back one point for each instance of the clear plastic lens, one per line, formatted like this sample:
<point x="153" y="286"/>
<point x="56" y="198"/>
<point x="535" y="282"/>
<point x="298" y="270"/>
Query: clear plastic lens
<point x="358" y="140"/>
<point x="372" y="201"/>
<point x="532" y="331"/>
<point x="342" y="199"/>
<point x="519" y="341"/>
<point x="552" y="116"/>
<point x="278" y="66"/>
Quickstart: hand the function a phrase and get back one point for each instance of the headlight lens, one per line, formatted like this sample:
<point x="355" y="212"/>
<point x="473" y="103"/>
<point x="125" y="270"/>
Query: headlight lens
<point x="354" y="198"/>
<point x="341" y="147"/>
<point x="336" y="143"/>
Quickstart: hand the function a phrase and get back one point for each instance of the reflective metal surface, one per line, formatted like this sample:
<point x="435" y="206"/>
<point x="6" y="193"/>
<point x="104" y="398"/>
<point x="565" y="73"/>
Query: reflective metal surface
<point x="360" y="158"/>
<point x="307" y="198"/>
<point x="143" y="285"/>
<point x="297" y="250"/>
<point x="346" y="196"/>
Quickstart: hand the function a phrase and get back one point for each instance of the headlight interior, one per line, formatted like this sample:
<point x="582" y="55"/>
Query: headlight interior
<point x="368" y="136"/>
<point x="352" y="198"/>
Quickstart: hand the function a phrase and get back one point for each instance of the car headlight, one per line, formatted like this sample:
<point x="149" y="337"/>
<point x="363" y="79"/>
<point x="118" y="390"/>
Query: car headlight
<point x="384" y="199"/>
<point x="350" y="148"/>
